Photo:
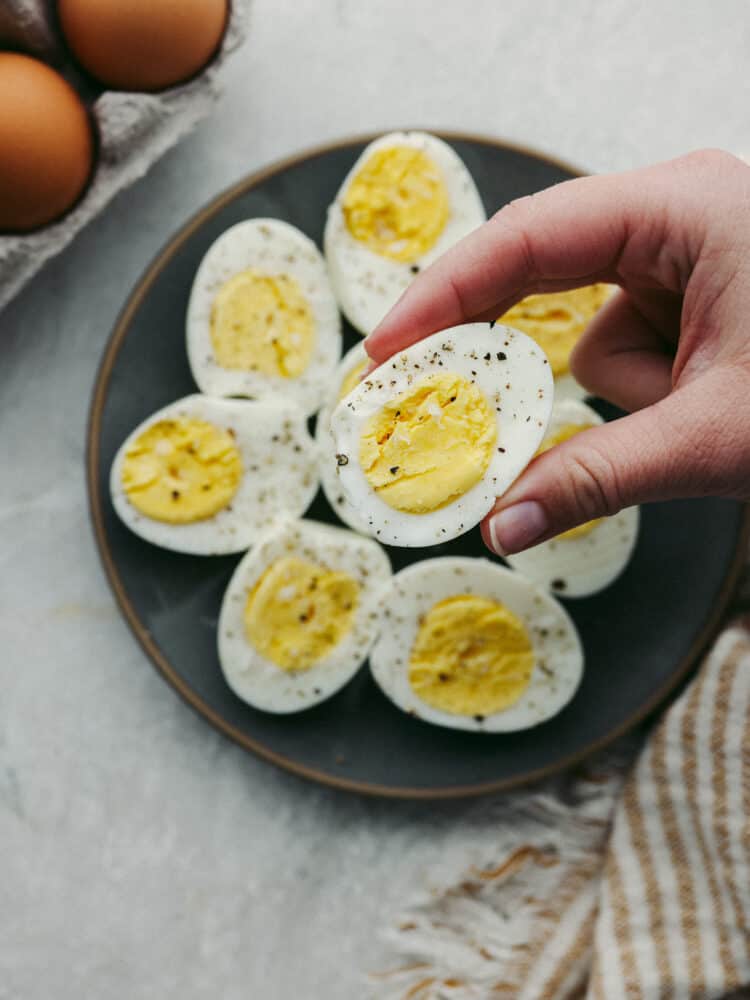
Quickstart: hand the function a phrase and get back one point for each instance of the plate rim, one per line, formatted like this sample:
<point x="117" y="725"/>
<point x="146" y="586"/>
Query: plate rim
<point x="143" y="636"/>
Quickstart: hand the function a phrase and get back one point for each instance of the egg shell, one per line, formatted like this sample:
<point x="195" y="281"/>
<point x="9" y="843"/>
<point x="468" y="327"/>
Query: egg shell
<point x="142" y="45"/>
<point x="257" y="680"/>
<point x="272" y="247"/>
<point x="514" y="375"/>
<point x="279" y="475"/>
<point x="329" y="478"/>
<point x="579" y="567"/>
<point x="415" y="590"/>
<point x="46" y="144"/>
<point x="367" y="284"/>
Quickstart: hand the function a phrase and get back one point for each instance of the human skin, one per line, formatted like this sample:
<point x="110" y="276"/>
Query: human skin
<point x="672" y="347"/>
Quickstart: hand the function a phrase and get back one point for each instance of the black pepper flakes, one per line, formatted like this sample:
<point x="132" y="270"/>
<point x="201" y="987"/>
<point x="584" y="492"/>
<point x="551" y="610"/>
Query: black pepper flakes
<point x="394" y="469"/>
<point x="558" y="584"/>
<point x="502" y="356"/>
<point x="342" y="459"/>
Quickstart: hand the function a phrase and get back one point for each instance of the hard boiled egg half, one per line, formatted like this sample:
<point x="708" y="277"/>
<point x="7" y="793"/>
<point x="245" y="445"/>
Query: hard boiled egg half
<point x="299" y="615"/>
<point x="206" y="475"/>
<point x="407" y="199"/>
<point x="556" y="321"/>
<point x="262" y="319"/>
<point x="468" y="644"/>
<point x="425" y="443"/>
<point x="590" y="557"/>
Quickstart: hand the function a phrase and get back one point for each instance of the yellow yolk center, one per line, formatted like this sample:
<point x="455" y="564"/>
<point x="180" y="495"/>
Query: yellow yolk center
<point x="563" y="434"/>
<point x="298" y="612"/>
<point x="429" y="445"/>
<point x="472" y="656"/>
<point x="397" y="203"/>
<point x="351" y="379"/>
<point x="181" y="471"/>
<point x="556" y="320"/>
<point x="262" y="323"/>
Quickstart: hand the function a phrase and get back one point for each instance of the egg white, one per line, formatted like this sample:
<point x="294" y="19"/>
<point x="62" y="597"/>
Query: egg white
<point x="514" y="375"/>
<point x="279" y="474"/>
<point x="257" y="680"/>
<point x="578" y="567"/>
<point x="329" y="478"/>
<point x="272" y="247"/>
<point x="367" y="284"/>
<point x="558" y="665"/>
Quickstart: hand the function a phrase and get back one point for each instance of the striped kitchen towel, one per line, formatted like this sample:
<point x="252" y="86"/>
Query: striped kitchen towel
<point x="631" y="882"/>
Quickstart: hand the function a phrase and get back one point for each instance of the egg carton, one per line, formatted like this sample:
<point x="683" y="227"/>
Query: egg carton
<point x="134" y="130"/>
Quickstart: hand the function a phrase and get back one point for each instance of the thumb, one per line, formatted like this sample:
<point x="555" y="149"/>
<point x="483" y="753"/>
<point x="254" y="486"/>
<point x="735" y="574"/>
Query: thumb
<point x="684" y="445"/>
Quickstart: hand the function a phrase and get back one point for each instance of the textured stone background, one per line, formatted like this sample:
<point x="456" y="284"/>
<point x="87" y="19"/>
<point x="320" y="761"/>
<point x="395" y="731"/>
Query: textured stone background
<point x="141" y="855"/>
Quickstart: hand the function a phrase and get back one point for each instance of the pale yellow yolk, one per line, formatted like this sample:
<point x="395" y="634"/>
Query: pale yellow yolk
<point x="397" y="203"/>
<point x="181" y="471"/>
<point x="351" y="380"/>
<point x="262" y="323"/>
<point x="568" y="431"/>
<point x="298" y="612"/>
<point x="429" y="445"/>
<point x="472" y="656"/>
<point x="556" y="320"/>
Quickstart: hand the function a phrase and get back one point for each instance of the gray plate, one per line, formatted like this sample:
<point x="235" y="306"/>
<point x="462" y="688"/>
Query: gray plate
<point x="641" y="636"/>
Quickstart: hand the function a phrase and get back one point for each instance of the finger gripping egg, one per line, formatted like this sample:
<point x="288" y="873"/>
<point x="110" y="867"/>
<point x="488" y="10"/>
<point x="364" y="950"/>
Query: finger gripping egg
<point x="46" y="144"/>
<point x="206" y="476"/>
<point x="299" y="614"/>
<point x="468" y="644"/>
<point x="262" y="319"/>
<point x="407" y="199"/>
<point x="590" y="557"/>
<point x="427" y="441"/>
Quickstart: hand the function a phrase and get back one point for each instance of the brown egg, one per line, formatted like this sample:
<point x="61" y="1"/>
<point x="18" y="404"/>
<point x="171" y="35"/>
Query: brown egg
<point x="143" y="44"/>
<point x="46" y="144"/>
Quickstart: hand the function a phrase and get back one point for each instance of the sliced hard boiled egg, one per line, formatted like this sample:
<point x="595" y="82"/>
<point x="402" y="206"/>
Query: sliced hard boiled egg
<point x="407" y="199"/>
<point x="262" y="318"/>
<point x="556" y="321"/>
<point x="427" y="441"/>
<point x="206" y="475"/>
<point x="299" y="615"/>
<point x="347" y="377"/>
<point x="468" y="644"/>
<point x="590" y="557"/>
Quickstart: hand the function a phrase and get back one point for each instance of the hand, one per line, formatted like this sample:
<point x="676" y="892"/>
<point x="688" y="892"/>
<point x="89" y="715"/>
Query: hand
<point x="673" y="344"/>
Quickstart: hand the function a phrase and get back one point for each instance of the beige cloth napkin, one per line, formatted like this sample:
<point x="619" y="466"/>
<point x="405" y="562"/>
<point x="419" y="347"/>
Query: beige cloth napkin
<point x="630" y="883"/>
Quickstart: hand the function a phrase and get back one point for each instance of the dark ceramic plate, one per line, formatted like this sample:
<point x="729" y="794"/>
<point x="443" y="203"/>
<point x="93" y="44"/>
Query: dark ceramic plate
<point x="641" y="636"/>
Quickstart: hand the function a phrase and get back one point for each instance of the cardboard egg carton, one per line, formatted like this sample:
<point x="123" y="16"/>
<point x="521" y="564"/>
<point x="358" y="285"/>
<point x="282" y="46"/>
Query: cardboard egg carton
<point x="134" y="130"/>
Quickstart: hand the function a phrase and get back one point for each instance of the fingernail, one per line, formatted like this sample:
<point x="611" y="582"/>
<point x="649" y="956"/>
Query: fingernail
<point x="517" y="527"/>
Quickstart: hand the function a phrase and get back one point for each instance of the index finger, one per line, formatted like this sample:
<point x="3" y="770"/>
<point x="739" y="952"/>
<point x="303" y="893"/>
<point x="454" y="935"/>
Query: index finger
<point x="572" y="234"/>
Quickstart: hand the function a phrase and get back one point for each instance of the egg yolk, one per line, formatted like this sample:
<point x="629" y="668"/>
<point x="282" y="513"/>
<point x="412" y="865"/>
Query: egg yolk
<point x="556" y="320"/>
<point x="181" y="471"/>
<point x="471" y="656"/>
<point x="351" y="380"/>
<point x="563" y="434"/>
<point x="429" y="445"/>
<point x="298" y="612"/>
<point x="397" y="203"/>
<point x="262" y="323"/>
